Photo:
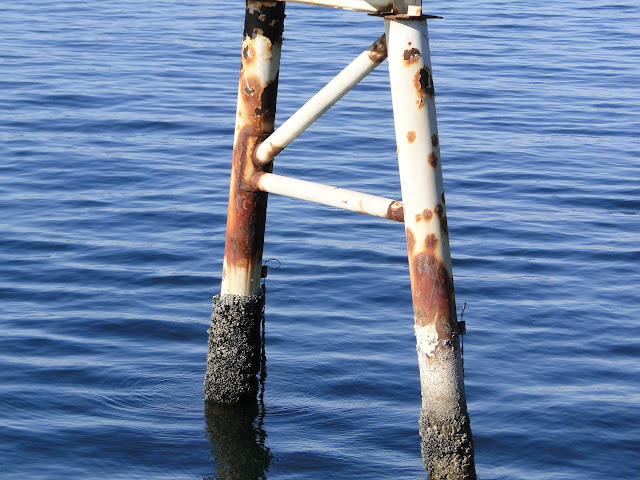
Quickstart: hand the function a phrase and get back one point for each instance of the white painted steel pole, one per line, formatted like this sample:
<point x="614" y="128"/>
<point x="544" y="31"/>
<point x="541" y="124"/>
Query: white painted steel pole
<point x="447" y="447"/>
<point x="322" y="101"/>
<point x="328" y="195"/>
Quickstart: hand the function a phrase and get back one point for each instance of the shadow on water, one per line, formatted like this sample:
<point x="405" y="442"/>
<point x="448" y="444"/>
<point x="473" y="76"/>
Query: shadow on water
<point x="238" y="439"/>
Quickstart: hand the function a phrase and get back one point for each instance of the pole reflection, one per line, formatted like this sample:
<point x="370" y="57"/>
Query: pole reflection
<point x="238" y="439"/>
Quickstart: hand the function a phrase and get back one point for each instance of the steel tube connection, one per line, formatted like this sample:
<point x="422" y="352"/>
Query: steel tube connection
<point x="447" y="446"/>
<point x="255" y="120"/>
<point x="331" y="196"/>
<point x="364" y="64"/>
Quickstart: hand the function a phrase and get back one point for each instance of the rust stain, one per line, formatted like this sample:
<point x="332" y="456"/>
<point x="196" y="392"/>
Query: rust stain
<point x="431" y="284"/>
<point x="423" y="84"/>
<point x="438" y="210"/>
<point x="434" y="140"/>
<point x="378" y="51"/>
<point x="411" y="241"/>
<point x="246" y="217"/>
<point x="425" y="215"/>
<point x="431" y="241"/>
<point x="411" y="136"/>
<point x="411" y="56"/>
<point x="433" y="295"/>
<point x="396" y="211"/>
<point x="274" y="150"/>
<point x="432" y="159"/>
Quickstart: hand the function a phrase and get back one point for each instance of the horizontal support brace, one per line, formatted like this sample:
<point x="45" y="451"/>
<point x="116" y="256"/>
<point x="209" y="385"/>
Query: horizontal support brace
<point x="322" y="101"/>
<point x="327" y="195"/>
<point x="402" y="7"/>
<point x="374" y="6"/>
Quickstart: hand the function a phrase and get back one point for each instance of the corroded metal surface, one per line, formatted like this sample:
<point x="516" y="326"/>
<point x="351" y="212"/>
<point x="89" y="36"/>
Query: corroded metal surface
<point x="447" y="445"/>
<point x="255" y="119"/>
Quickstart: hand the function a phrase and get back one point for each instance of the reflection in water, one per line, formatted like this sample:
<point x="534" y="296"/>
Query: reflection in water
<point x="238" y="440"/>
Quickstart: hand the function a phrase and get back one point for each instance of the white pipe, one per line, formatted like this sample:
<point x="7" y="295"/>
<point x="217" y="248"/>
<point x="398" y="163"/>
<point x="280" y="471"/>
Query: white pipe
<point x="328" y="195"/>
<point x="360" y="5"/>
<point x="322" y="101"/>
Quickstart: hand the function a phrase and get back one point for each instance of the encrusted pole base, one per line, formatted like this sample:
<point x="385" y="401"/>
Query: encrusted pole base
<point x="235" y="348"/>
<point x="447" y="450"/>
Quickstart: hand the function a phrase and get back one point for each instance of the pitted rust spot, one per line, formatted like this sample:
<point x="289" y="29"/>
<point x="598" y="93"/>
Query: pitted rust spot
<point x="426" y="81"/>
<point x="396" y="211"/>
<point x="411" y="55"/>
<point x="432" y="159"/>
<point x="431" y="241"/>
<point x="418" y="217"/>
<point x="438" y="210"/>
<point x="378" y="51"/>
<point x="424" y="86"/>
<point x="411" y="136"/>
<point x="248" y="54"/>
<point x="249" y="91"/>
<point x="427" y="214"/>
<point x="434" y="140"/>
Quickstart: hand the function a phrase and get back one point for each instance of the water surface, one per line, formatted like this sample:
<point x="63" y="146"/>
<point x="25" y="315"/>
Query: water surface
<point x="116" y="145"/>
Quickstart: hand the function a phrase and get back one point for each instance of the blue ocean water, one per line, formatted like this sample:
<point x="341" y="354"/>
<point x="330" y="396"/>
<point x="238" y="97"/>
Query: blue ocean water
<point x="115" y="144"/>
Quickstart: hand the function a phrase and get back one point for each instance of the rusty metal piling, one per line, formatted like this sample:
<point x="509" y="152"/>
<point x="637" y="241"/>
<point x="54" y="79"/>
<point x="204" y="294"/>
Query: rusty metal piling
<point x="447" y="447"/>
<point x="234" y="356"/>
<point x="234" y="337"/>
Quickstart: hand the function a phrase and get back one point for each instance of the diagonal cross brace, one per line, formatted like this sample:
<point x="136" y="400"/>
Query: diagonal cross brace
<point x="353" y="73"/>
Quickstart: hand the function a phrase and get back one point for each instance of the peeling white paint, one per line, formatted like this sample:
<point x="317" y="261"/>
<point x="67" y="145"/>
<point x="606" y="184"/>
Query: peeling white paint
<point x="426" y="338"/>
